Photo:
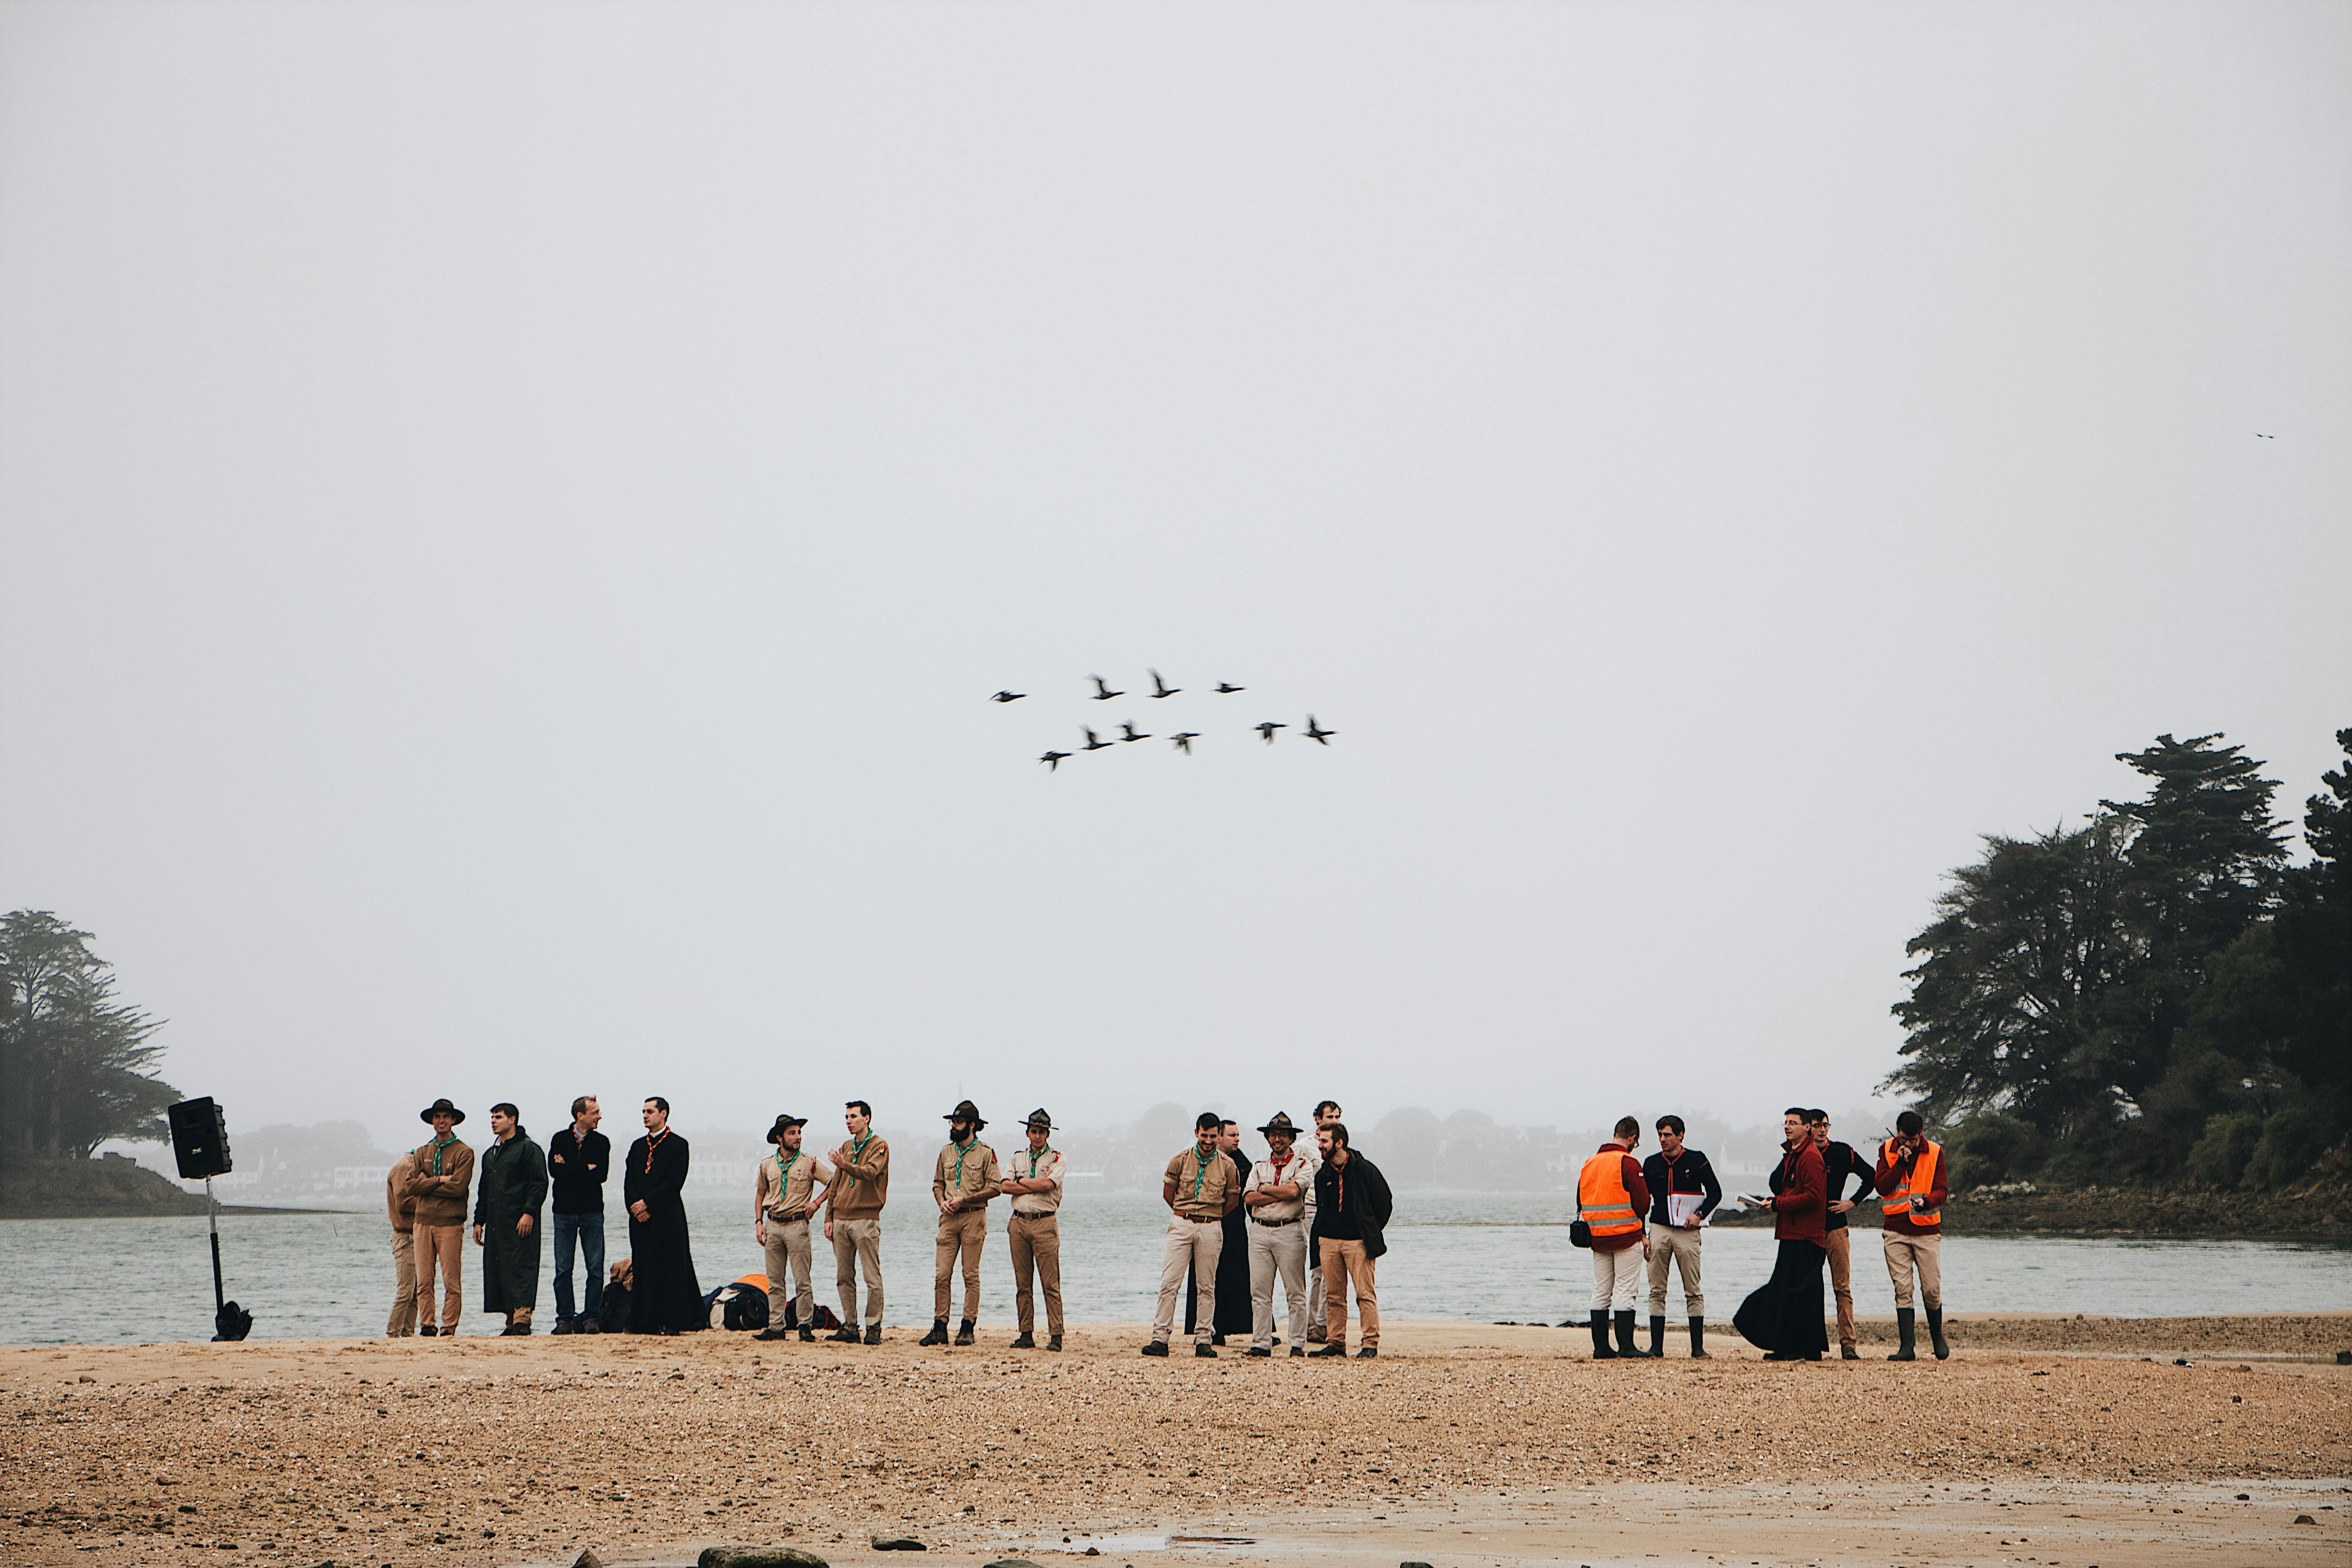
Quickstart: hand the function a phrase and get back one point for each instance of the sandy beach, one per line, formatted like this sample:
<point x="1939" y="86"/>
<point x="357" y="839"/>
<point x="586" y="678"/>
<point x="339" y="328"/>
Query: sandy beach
<point x="2060" y="1442"/>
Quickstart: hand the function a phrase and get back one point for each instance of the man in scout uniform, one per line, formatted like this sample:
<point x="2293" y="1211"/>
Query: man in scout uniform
<point x="439" y="1181"/>
<point x="1033" y="1179"/>
<point x="962" y="1181"/>
<point x="789" y="1186"/>
<point x="1912" y="1185"/>
<point x="1275" y="1196"/>
<point x="1201" y="1188"/>
<point x="853" y="1220"/>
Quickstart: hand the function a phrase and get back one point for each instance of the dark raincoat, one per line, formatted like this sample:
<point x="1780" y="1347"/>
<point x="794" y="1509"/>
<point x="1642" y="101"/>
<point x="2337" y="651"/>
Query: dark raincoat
<point x="512" y="1182"/>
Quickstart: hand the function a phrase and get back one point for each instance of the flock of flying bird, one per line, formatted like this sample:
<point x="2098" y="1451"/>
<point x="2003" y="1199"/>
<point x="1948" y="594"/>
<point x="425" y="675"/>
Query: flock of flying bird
<point x="1183" y="739"/>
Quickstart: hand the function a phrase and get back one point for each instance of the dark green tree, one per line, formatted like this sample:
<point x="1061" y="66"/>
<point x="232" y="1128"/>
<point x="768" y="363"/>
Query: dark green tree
<point x="75" y="1062"/>
<point x="2008" y="998"/>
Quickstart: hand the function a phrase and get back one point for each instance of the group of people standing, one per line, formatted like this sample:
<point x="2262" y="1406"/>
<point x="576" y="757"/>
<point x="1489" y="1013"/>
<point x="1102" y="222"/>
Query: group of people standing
<point x="1311" y="1215"/>
<point x="1678" y="1189"/>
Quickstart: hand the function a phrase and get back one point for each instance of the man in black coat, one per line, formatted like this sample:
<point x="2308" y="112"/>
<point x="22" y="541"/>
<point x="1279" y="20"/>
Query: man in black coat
<point x="507" y="1202"/>
<point x="1351" y="1213"/>
<point x="664" y="1298"/>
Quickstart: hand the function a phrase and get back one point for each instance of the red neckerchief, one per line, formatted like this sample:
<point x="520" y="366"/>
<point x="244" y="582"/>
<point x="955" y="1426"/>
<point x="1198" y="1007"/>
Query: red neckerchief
<point x="652" y="1142"/>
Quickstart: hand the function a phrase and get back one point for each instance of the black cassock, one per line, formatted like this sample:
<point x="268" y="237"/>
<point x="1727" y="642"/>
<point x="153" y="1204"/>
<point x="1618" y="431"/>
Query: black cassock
<point x="1233" y="1314"/>
<point x="663" y="1291"/>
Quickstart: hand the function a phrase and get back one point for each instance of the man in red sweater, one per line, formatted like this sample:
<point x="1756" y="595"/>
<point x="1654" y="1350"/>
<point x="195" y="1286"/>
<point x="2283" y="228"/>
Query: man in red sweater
<point x="1784" y="1317"/>
<point x="1611" y="1198"/>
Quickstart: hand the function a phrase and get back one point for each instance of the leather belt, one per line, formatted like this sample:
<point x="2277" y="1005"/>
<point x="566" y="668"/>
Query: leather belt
<point x="1041" y="1214"/>
<point x="1205" y="1218"/>
<point x="1270" y="1224"/>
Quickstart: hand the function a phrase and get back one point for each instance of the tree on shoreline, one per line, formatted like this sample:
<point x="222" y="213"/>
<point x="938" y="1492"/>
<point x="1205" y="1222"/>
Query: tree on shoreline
<point x="75" y="1061"/>
<point x="2153" y="995"/>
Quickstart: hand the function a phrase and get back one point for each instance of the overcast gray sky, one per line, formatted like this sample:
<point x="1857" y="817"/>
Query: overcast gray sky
<point x="512" y="512"/>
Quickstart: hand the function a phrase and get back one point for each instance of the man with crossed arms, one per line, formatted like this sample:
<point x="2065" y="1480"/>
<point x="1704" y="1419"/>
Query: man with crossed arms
<point x="1276" y="1197"/>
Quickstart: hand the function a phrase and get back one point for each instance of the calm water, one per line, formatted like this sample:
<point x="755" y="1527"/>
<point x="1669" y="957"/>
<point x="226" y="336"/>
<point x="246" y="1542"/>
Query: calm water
<point x="1479" y="1258"/>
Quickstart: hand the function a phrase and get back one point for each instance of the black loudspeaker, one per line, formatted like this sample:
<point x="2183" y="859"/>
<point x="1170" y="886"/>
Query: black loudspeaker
<point x="199" y="1138"/>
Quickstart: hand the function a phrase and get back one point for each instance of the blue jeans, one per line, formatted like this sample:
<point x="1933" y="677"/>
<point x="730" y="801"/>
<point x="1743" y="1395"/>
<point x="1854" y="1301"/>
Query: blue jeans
<point x="589" y="1228"/>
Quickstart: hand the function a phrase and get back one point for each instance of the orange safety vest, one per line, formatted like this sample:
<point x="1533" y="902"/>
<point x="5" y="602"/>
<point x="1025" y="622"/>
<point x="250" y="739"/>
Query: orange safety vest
<point x="1602" y="1201"/>
<point x="1922" y="1182"/>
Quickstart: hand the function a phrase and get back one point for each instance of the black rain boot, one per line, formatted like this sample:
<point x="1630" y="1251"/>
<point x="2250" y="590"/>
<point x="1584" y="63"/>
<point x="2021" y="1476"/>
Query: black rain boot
<point x="1698" y="1338"/>
<point x="939" y="1334"/>
<point x="1936" y="1333"/>
<point x="1657" y="1336"/>
<point x="1625" y="1345"/>
<point x="1903" y="1326"/>
<point x="964" y="1330"/>
<point x="1600" y="1351"/>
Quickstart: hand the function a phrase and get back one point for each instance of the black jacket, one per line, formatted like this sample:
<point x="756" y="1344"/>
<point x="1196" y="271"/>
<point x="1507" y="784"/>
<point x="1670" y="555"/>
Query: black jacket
<point x="577" y="1170"/>
<point x="1352" y="1203"/>
<point x="1688" y="1174"/>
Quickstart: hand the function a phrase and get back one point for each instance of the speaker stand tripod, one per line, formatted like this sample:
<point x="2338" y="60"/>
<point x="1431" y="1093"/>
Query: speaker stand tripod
<point x="230" y="1321"/>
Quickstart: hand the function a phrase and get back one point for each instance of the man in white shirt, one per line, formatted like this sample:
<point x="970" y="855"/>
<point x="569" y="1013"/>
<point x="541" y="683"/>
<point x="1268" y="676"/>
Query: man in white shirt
<point x="791" y="1187"/>
<point x="1033" y="1179"/>
<point x="1280" y="1187"/>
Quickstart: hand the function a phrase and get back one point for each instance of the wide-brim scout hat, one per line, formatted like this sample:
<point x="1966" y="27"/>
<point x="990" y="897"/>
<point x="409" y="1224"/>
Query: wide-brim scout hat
<point x="1040" y="1121"/>
<point x="965" y="1110"/>
<point x="439" y="1106"/>
<point x="1281" y="1123"/>
<point x="776" y="1134"/>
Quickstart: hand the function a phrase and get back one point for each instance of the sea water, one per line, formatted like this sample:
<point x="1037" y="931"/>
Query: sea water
<point x="1467" y="1256"/>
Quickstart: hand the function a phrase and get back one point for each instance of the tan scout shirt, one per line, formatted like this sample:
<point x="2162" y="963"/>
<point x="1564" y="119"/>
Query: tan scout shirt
<point x="1300" y="1168"/>
<point x="801" y="1174"/>
<point x="1032" y="1167"/>
<point x="396" y="1199"/>
<point x="969" y="1172"/>
<point x="1202" y="1187"/>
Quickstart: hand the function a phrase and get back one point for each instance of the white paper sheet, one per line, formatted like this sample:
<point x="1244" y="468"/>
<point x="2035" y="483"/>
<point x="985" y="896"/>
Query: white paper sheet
<point x="1680" y="1206"/>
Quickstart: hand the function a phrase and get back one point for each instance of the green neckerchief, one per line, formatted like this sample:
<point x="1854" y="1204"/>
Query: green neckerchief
<point x="1201" y="1168"/>
<point x="436" y="1146"/>
<point x="962" y="1150"/>
<point x="783" y="1169"/>
<point x="1034" y="1155"/>
<point x="857" y="1146"/>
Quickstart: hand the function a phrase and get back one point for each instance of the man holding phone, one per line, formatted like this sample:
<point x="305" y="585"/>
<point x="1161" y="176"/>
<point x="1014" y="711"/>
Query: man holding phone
<point x="1913" y="1182"/>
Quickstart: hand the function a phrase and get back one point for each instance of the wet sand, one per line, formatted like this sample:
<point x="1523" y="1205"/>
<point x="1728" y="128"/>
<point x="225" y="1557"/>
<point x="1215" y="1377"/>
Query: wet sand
<point x="1461" y="1445"/>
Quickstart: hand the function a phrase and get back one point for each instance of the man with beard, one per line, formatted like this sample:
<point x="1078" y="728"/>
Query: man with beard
<point x="1199" y="1188"/>
<point x="962" y="1181"/>
<point x="1276" y="1203"/>
<point x="438" y="1180"/>
<point x="664" y="1298"/>
<point x="1232" y="1310"/>
<point x="505" y="1219"/>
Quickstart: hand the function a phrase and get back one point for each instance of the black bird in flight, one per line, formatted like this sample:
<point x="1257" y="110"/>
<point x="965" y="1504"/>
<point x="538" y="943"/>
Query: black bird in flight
<point x="1267" y="730"/>
<point x="1161" y="688"/>
<point x="2259" y="436"/>
<point x="1094" y="742"/>
<point x="1228" y="687"/>
<point x="1316" y="733"/>
<point x="1008" y="696"/>
<point x="1130" y="734"/>
<point x="1103" y="693"/>
<point x="1185" y="740"/>
<point x="1053" y="761"/>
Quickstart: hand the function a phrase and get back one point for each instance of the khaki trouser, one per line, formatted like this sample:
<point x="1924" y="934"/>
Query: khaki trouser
<point x="959" y="1233"/>
<point x="1314" y="1283"/>
<point x="1615" y="1277"/>
<point x="1272" y="1248"/>
<point x="1925" y="1253"/>
<point x="1839" y="1245"/>
<point x="1196" y="1245"/>
<point x="788" y="1248"/>
<point x="858" y="1242"/>
<point x="1036" y="1246"/>
<point x="1343" y="1262"/>
<point x="441" y="1247"/>
<point x="403" y="1322"/>
<point x="1677" y="1246"/>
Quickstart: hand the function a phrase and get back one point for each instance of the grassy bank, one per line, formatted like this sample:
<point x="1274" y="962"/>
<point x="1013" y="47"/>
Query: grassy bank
<point x="106" y="1188"/>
